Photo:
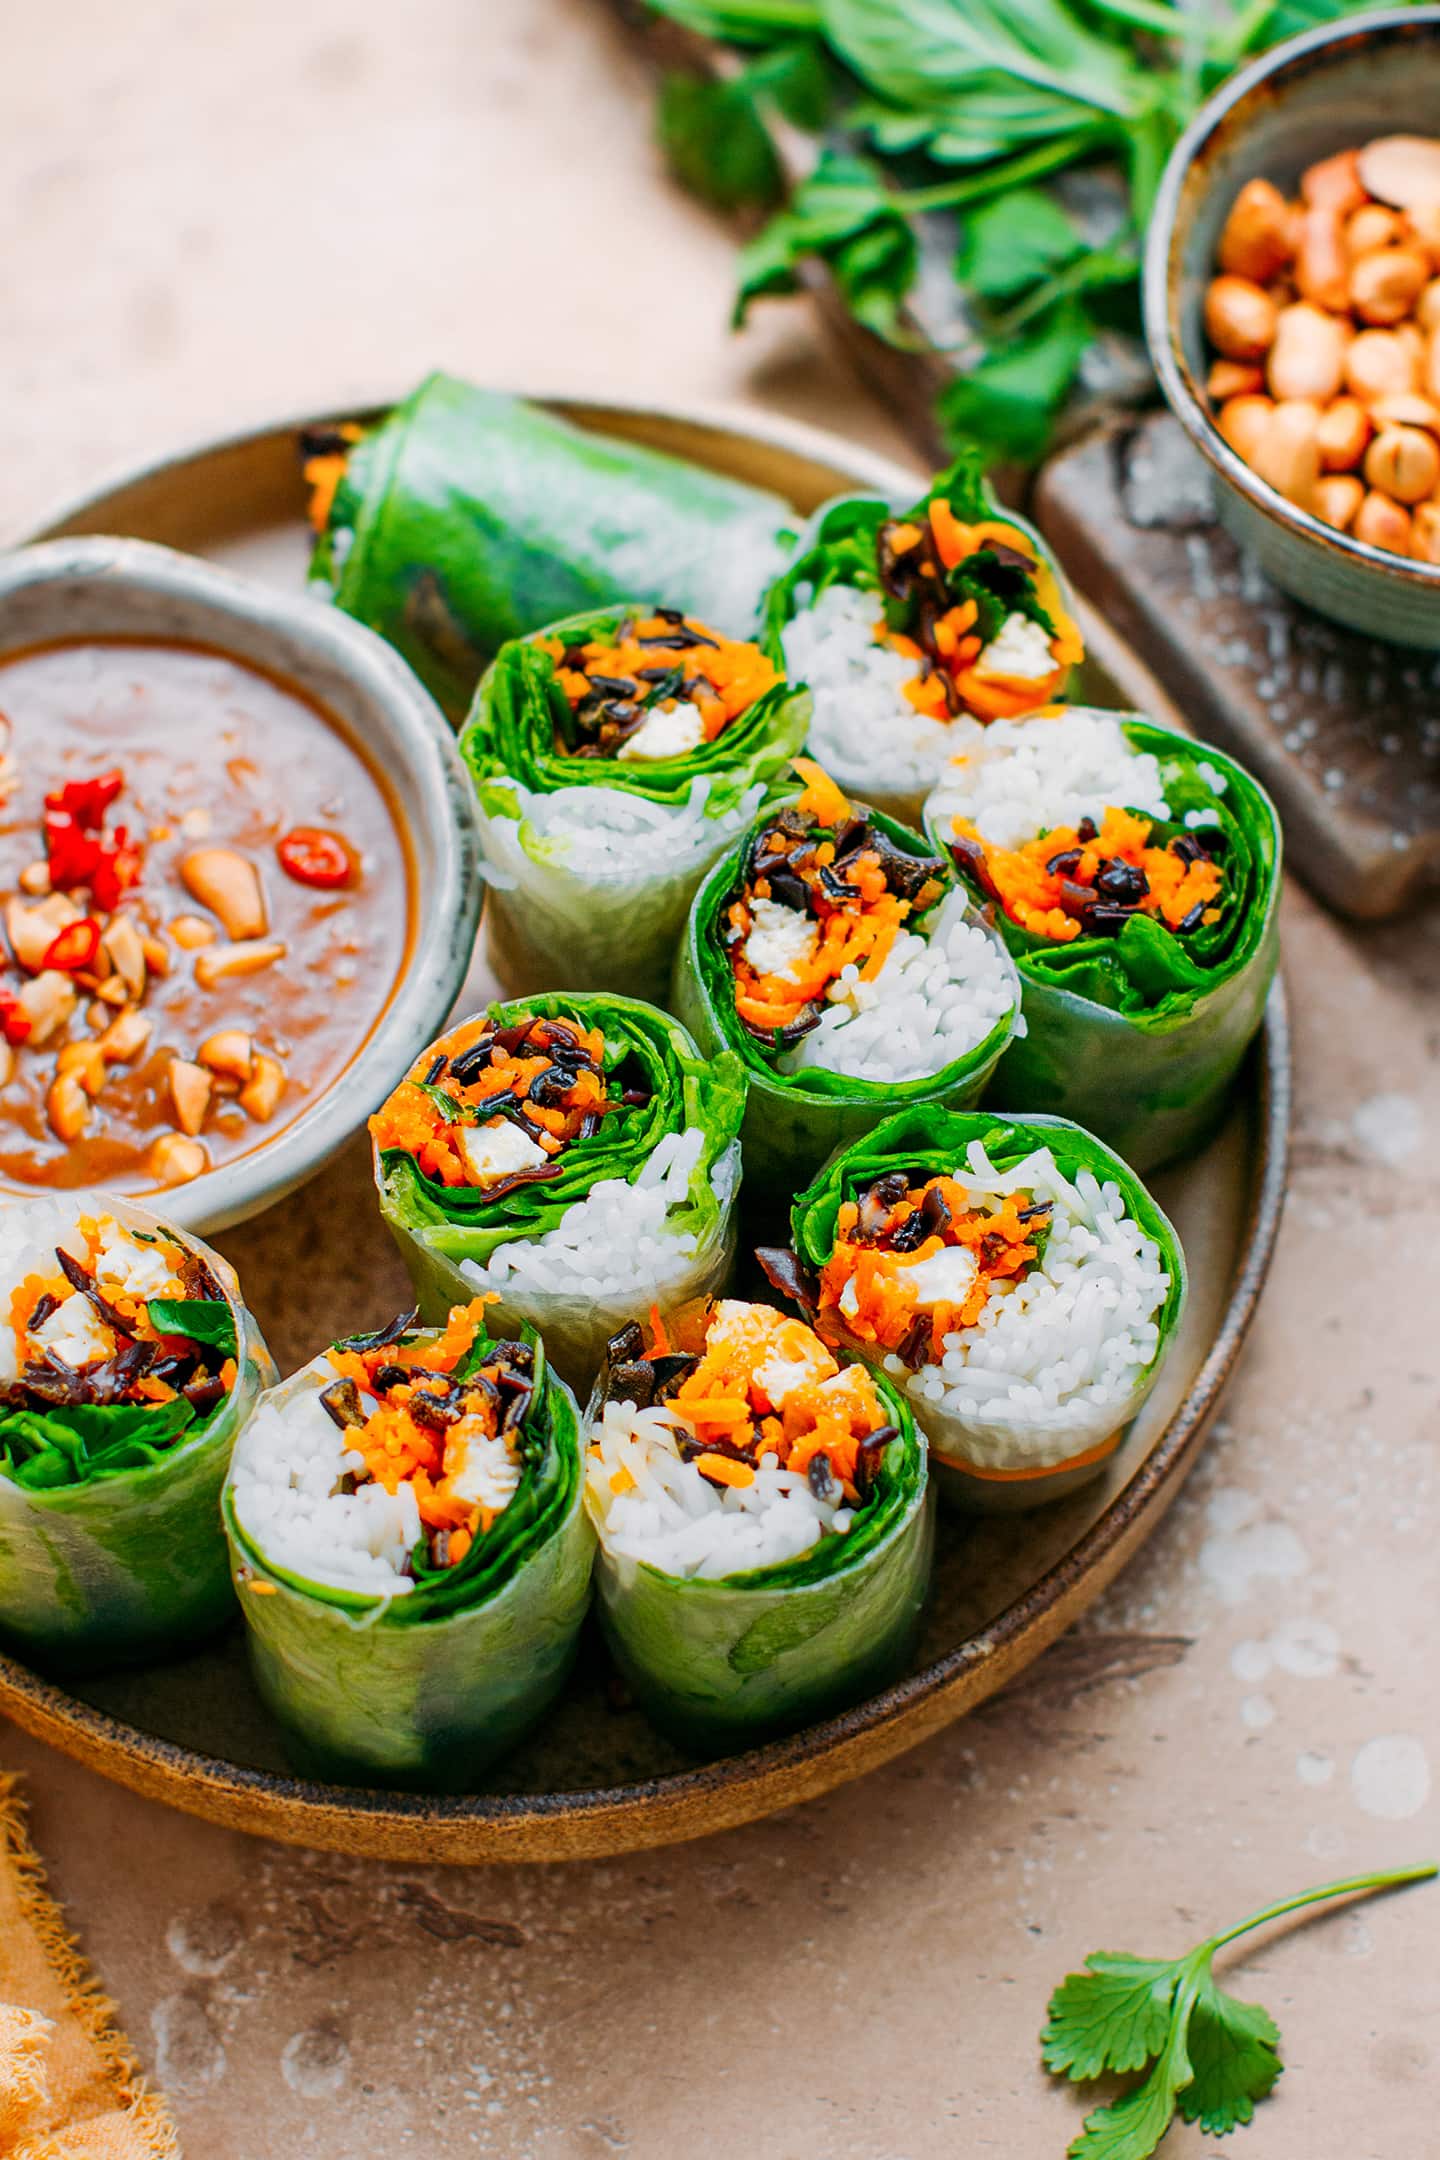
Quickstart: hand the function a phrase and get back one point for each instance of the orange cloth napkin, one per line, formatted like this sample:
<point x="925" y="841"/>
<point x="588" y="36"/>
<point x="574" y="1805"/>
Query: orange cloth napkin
<point x="70" y="2087"/>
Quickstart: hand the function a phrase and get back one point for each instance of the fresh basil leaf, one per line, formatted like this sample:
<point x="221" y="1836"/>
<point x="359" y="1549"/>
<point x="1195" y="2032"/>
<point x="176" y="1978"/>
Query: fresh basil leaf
<point x="451" y="1109"/>
<point x="716" y="142"/>
<point x="1007" y="404"/>
<point x="202" y="1320"/>
<point x="924" y="53"/>
<point x="741" y="22"/>
<point x="796" y="80"/>
<point x="845" y="216"/>
<point x="1013" y="241"/>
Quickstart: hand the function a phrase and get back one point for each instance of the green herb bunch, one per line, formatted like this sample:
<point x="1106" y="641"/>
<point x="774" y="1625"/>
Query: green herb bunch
<point x="962" y="106"/>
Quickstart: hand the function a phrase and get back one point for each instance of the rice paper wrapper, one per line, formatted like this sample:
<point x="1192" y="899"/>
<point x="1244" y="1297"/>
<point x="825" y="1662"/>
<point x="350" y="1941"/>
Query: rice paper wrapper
<point x="467" y="518"/>
<point x="448" y="1237"/>
<point x="378" y="1691"/>
<point x="837" y="547"/>
<point x="1139" y="1038"/>
<point x="132" y="1565"/>
<point x="724" y="1664"/>
<point x="988" y="1463"/>
<point x="794" y="1121"/>
<point x="563" y="911"/>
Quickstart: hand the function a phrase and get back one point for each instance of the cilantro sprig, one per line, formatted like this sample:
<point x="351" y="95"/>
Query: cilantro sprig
<point x="1206" y="2053"/>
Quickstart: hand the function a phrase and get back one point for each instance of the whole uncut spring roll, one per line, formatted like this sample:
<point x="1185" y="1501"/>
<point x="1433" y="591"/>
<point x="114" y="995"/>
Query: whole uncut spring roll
<point x="764" y="1521"/>
<point x="466" y="518"/>
<point x="574" y="1158"/>
<point x="843" y="962"/>
<point x="1010" y="1275"/>
<point x="902" y="623"/>
<point x="128" y="1364"/>
<point x="411" y="1551"/>
<point x="1135" y="876"/>
<point x="616" y="755"/>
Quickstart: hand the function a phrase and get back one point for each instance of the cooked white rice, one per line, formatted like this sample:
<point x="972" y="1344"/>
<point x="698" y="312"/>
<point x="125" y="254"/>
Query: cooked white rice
<point x="607" y="834"/>
<point x="935" y="999"/>
<point x="674" y="1519"/>
<point x="287" y="1466"/>
<point x="1017" y="778"/>
<point x="864" y="730"/>
<point x="1059" y="1358"/>
<point x="621" y="1240"/>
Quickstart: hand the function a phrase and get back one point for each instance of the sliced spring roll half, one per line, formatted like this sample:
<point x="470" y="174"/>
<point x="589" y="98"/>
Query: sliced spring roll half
<point x="411" y="1550"/>
<point x="1135" y="876"/>
<point x="615" y="756"/>
<point x="128" y="1364"/>
<point x="848" y="968"/>
<point x="1010" y="1275"/>
<point x="572" y="1157"/>
<point x="764" y="1520"/>
<point x="465" y="518"/>
<point x="901" y="624"/>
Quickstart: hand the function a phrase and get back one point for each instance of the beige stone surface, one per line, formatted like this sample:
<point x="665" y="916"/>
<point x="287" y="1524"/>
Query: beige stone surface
<point x="215" y="215"/>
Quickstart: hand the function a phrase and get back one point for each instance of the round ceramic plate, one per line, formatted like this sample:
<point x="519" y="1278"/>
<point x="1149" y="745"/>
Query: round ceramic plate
<point x="597" y="1780"/>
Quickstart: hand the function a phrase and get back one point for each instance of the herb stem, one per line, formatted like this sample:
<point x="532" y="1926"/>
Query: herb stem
<point x="950" y="194"/>
<point x="1356" y="1885"/>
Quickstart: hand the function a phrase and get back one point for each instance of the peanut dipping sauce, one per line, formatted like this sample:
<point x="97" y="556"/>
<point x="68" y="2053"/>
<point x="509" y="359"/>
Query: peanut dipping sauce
<point x="200" y="997"/>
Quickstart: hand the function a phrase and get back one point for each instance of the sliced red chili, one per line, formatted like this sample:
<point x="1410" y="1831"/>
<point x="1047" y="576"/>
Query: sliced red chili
<point x="73" y="854"/>
<point x="15" y="1022"/>
<point x="314" y="857"/>
<point x="86" y="801"/>
<point x="118" y="868"/>
<point x="73" y="947"/>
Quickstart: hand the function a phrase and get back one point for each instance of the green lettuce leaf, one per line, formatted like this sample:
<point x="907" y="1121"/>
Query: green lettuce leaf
<point x="203" y="1320"/>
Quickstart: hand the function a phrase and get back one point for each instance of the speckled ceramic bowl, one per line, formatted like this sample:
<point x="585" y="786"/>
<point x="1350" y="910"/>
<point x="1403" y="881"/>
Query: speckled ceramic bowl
<point x="128" y="588"/>
<point x="1331" y="89"/>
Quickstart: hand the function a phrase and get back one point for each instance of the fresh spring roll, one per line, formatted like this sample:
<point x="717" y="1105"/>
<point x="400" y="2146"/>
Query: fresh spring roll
<point x="466" y="518"/>
<point x="1135" y="876"/>
<point x="1010" y="1275"/>
<point x="615" y="756"/>
<point x="128" y="1363"/>
<point x="847" y="967"/>
<point x="765" y="1525"/>
<point x="574" y="1158"/>
<point x="411" y="1550"/>
<point x="902" y="624"/>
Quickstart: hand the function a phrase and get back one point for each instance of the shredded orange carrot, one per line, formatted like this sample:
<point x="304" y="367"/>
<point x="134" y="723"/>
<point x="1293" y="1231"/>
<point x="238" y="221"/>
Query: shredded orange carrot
<point x="822" y="799"/>
<point x="1048" y="885"/>
<point x="721" y="677"/>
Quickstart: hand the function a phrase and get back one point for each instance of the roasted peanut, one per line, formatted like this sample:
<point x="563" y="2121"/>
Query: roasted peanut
<point x="67" y="1106"/>
<point x="1337" y="497"/>
<point x="192" y="931"/>
<point x="1322" y="268"/>
<point x="127" y="953"/>
<point x="33" y="930"/>
<point x="190" y="1089"/>
<point x="213" y="963"/>
<point x="48" y="1000"/>
<point x="1406" y="408"/>
<point x="227" y="883"/>
<point x="229" y="1051"/>
<point x="1422" y="229"/>
<point x="34" y="878"/>
<point x="1425" y="532"/>
<point x="1371" y="226"/>
<point x="1335" y="182"/>
<point x="1382" y="523"/>
<point x="1239" y="318"/>
<point x="1307" y="359"/>
<point x="1234" y="378"/>
<point x="260" y="1097"/>
<point x="1400" y="169"/>
<point x="1385" y="286"/>
<point x="1342" y="434"/>
<point x="173" y="1160"/>
<point x="1378" y="362"/>
<point x="1288" y="456"/>
<point x="1430" y="373"/>
<point x="1404" y="463"/>
<point x="1257" y="238"/>
<point x="1427" y="308"/>
<point x="1243" y="421"/>
<point x="126" y="1037"/>
<point x="86" y="1060"/>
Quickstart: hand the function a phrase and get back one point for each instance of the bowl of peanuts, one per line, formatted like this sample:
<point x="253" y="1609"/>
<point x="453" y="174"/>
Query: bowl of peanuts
<point x="1292" y="309"/>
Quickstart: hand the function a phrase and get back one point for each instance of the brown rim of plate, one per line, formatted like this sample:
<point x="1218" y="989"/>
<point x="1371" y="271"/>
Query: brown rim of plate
<point x="736" y="1789"/>
<point x="1186" y="173"/>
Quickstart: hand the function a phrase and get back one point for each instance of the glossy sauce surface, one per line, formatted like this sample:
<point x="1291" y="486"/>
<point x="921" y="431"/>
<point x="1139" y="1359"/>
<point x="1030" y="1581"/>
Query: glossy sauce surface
<point x="214" y="754"/>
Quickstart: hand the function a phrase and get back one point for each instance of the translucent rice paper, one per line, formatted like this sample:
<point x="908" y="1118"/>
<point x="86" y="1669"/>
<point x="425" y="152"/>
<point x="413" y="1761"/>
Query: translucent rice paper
<point x="723" y="1663"/>
<point x="132" y="1565"/>
<point x="793" y="1121"/>
<point x="564" y="911"/>
<point x="837" y="546"/>
<point x="467" y="518"/>
<point x="994" y="1461"/>
<point x="425" y="1693"/>
<point x="1139" y="1037"/>
<point x="447" y="1236"/>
